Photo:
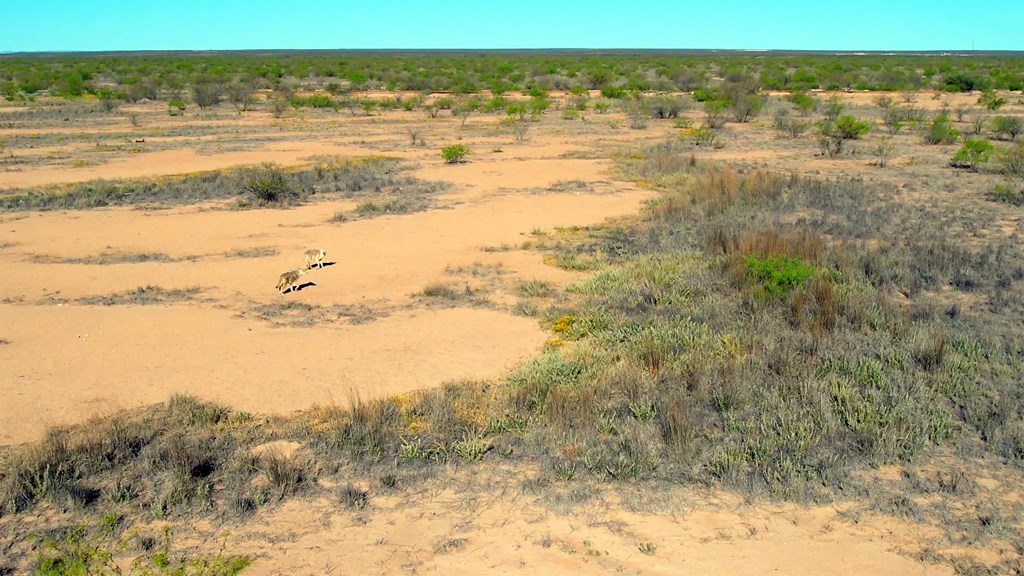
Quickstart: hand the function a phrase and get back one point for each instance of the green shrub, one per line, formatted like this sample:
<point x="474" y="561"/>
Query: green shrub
<point x="108" y="100"/>
<point x="175" y="106"/>
<point x="267" y="185"/>
<point x="610" y="91"/>
<point x="206" y="94"/>
<point x="776" y="276"/>
<point x="455" y="153"/>
<point x="850" y="128"/>
<point x="746" y="106"/>
<point x="991" y="100"/>
<point x="833" y="134"/>
<point x="1009" y="125"/>
<point x="834" y="107"/>
<point x="314" y="101"/>
<point x="1012" y="160"/>
<point x="941" y="131"/>
<point x="960" y="82"/>
<point x="517" y="110"/>
<point x="714" y="112"/>
<point x="975" y="151"/>
<point x="803" y="101"/>
<point x="667" y="106"/>
<point x="495" y="104"/>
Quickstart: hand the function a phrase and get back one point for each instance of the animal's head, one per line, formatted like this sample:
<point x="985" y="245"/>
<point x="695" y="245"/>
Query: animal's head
<point x="301" y="272"/>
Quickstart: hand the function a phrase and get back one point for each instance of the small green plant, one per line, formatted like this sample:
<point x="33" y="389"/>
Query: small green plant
<point x="647" y="548"/>
<point x="776" y="276"/>
<point x="1008" y="194"/>
<point x="974" y="152"/>
<point x="472" y="447"/>
<point x="883" y="151"/>
<point x="455" y="153"/>
<point x="535" y="288"/>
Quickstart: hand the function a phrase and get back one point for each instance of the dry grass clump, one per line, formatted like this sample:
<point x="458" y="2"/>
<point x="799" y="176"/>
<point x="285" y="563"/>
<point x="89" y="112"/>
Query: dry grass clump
<point x="449" y="294"/>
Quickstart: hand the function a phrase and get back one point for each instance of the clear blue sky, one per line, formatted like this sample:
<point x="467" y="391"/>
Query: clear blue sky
<point x="82" y="25"/>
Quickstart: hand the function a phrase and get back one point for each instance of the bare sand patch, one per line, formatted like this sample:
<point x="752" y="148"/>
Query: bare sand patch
<point x="499" y="529"/>
<point x="66" y="364"/>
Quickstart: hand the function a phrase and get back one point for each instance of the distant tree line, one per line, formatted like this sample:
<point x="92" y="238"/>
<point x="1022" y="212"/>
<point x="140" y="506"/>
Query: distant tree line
<point x="211" y="78"/>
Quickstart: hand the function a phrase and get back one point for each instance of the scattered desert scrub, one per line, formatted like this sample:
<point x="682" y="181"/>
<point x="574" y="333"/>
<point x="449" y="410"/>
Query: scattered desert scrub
<point x="451" y="294"/>
<point x="400" y="205"/>
<point x="296" y="314"/>
<point x="477" y="270"/>
<point x="261" y="185"/>
<point x="571" y="186"/>
<point x="261" y="252"/>
<point x="142" y="296"/>
<point x="108" y="258"/>
<point x="616" y="75"/>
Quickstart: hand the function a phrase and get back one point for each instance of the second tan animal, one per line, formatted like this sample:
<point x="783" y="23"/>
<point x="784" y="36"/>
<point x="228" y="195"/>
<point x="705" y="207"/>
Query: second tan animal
<point x="315" y="257"/>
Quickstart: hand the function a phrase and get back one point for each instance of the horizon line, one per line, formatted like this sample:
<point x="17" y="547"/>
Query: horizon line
<point x="837" y="52"/>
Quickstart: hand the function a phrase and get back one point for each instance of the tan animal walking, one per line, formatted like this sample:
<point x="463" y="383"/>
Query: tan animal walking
<point x="289" y="280"/>
<point x="315" y="257"/>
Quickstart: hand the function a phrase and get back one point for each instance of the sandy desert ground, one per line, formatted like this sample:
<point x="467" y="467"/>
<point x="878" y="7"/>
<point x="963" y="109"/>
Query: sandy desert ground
<point x="65" y="361"/>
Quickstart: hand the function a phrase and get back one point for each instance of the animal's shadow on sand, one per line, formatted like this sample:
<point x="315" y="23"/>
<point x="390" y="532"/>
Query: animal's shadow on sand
<point x="300" y="287"/>
<point x="325" y="265"/>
